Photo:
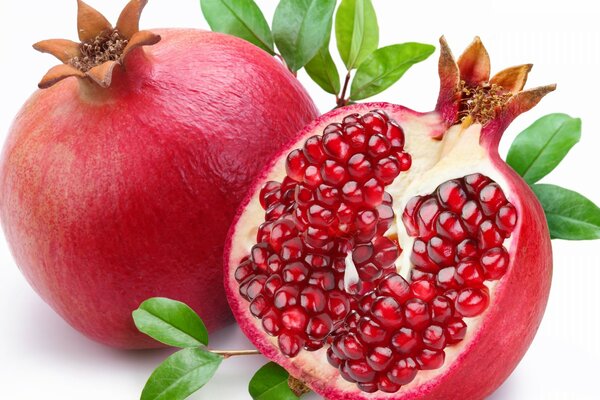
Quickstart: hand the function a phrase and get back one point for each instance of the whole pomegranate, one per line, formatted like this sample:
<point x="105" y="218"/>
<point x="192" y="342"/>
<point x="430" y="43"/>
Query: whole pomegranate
<point x="120" y="184"/>
<point x="392" y="254"/>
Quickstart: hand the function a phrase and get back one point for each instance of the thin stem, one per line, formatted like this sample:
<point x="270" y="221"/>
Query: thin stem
<point x="342" y="101"/>
<point x="233" y="353"/>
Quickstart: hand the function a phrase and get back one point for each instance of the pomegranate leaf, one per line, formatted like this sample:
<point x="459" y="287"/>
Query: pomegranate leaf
<point x="356" y="31"/>
<point x="385" y="66"/>
<point x="182" y="374"/>
<point x="301" y="28"/>
<point x="270" y="382"/>
<point x="323" y="71"/>
<point x="570" y="215"/>
<point x="170" y="322"/>
<point x="241" y="18"/>
<point x="537" y="150"/>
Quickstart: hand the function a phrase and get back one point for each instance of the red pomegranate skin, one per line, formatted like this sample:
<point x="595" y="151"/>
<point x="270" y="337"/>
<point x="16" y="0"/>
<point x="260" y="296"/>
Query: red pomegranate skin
<point x="111" y="196"/>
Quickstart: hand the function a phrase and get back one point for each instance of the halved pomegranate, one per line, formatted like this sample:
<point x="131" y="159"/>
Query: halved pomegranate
<point x="392" y="254"/>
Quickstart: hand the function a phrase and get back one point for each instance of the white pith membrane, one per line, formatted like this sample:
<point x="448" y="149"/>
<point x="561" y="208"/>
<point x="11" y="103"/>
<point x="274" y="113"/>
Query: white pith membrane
<point x="458" y="154"/>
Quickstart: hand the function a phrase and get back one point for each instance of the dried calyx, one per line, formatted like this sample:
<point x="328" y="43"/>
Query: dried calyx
<point x="101" y="46"/>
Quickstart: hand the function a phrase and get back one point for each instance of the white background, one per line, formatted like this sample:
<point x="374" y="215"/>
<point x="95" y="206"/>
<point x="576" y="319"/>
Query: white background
<point x="41" y="357"/>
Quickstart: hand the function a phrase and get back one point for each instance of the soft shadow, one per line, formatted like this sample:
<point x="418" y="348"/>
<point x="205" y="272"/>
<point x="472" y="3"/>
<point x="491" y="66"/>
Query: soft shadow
<point x="508" y="390"/>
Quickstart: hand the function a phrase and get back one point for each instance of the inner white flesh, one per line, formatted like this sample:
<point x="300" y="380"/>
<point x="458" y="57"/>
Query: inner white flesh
<point x="433" y="162"/>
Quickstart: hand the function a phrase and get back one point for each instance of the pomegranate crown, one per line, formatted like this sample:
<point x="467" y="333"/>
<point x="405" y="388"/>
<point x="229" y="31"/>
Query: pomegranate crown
<point x="468" y="94"/>
<point x="101" y="47"/>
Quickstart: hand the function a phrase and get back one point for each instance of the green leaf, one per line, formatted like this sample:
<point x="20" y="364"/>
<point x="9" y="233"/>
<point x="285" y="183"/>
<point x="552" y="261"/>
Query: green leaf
<point x="301" y="28"/>
<point x="570" y="215"/>
<point x="181" y="374"/>
<point x="241" y="18"/>
<point x="271" y="383"/>
<point x="323" y="71"/>
<point x="356" y="31"/>
<point x="385" y="66"/>
<point x="541" y="147"/>
<point x="170" y="322"/>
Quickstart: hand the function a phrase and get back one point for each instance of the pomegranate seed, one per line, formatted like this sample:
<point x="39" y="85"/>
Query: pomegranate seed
<point x="359" y="167"/>
<point x="387" y="312"/>
<point x="424" y="290"/>
<point x="319" y="327"/>
<point x="332" y="358"/>
<point x="243" y="271"/>
<point x="333" y="173"/>
<point x="433" y="337"/>
<point x="380" y="358"/>
<point x="356" y="137"/>
<point x="416" y="313"/>
<point x="352" y="193"/>
<point x="366" y="301"/>
<point x="417" y="275"/>
<point x="335" y="146"/>
<point x="290" y="344"/>
<point x="291" y="249"/>
<point x="456" y="330"/>
<point x="475" y="182"/>
<point x="382" y="114"/>
<point x="430" y="359"/>
<point x="472" y="301"/>
<point x="373" y="192"/>
<point x="317" y="260"/>
<point x="345" y="372"/>
<point x="295" y="272"/>
<point x="470" y="272"/>
<point x="386" y="385"/>
<point x="370" y="332"/>
<point x="294" y="319"/>
<point x="448" y="279"/>
<point x="441" y="251"/>
<point x="405" y="341"/>
<point x="495" y="262"/>
<point x="428" y="212"/>
<point x="403" y="372"/>
<point x="303" y="195"/>
<point x="374" y="123"/>
<point x="419" y="257"/>
<point x="491" y="198"/>
<point x="378" y="146"/>
<point x="386" y="251"/>
<point x="338" y="305"/>
<point x="296" y="164"/>
<point x="488" y="235"/>
<point x="451" y="195"/>
<point x="282" y="230"/>
<point x="312" y="176"/>
<point x="408" y="216"/>
<point x="255" y="286"/>
<point x="466" y="249"/>
<point x="323" y="279"/>
<point x="405" y="160"/>
<point x="351" y="347"/>
<point x="259" y="306"/>
<point x="351" y="119"/>
<point x="448" y="225"/>
<point x="441" y="309"/>
<point x="272" y="284"/>
<point x="270" y="322"/>
<point x="317" y="238"/>
<point x="360" y="371"/>
<point x="396" y="286"/>
<point x="313" y="299"/>
<point x="471" y="215"/>
<point x="368" y="387"/>
<point x="386" y="170"/>
<point x="395" y="135"/>
<point x="275" y="212"/>
<point x="329" y="196"/>
<point x="313" y="151"/>
<point x="369" y="272"/>
<point x="285" y="297"/>
<point x="264" y="232"/>
<point x="506" y="218"/>
<point x="319" y="216"/>
<point x="270" y="187"/>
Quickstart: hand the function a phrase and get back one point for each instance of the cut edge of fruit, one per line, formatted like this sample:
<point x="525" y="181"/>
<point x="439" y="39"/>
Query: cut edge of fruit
<point x="456" y="147"/>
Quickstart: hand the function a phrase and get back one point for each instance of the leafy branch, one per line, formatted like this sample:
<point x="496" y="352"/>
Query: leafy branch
<point x="300" y="38"/>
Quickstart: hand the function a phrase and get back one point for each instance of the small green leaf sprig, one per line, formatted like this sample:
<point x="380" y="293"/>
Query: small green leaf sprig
<point x="301" y="33"/>
<point x="534" y="153"/>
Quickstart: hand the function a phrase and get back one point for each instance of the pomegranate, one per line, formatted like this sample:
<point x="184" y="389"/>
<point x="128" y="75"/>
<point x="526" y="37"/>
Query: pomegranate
<point x="392" y="254"/>
<point x="120" y="184"/>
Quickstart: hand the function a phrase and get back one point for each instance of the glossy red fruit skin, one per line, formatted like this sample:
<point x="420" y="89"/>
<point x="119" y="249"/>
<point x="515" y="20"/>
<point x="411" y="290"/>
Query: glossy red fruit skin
<point x="523" y="290"/>
<point x="109" y="197"/>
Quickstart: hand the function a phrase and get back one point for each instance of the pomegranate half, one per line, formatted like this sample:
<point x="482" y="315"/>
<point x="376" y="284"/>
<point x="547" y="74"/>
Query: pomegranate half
<point x="120" y="185"/>
<point x="392" y="254"/>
